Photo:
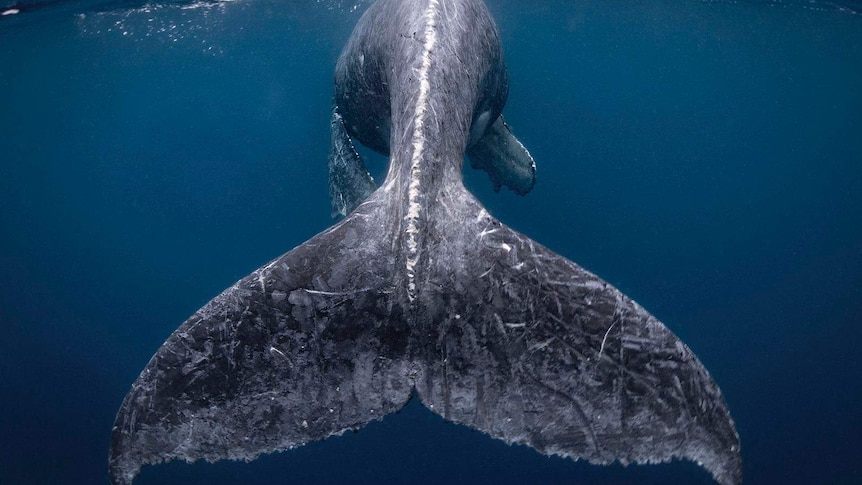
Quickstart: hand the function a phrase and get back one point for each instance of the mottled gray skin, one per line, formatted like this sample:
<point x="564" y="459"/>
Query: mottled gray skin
<point x="421" y="291"/>
<point x="363" y="99"/>
<point x="349" y="181"/>
<point x="498" y="152"/>
<point x="504" y="158"/>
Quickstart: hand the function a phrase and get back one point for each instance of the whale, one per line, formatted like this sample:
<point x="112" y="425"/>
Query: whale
<point x="419" y="293"/>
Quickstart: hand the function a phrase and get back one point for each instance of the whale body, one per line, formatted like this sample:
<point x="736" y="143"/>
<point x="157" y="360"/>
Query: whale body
<point x="420" y="292"/>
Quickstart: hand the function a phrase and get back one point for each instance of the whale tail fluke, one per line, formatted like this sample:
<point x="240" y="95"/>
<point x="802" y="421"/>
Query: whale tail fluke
<point x="305" y="347"/>
<point x="502" y="335"/>
<point x="530" y="348"/>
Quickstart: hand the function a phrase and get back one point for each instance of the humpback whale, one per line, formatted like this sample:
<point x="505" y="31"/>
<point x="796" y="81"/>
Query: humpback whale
<point x="419" y="291"/>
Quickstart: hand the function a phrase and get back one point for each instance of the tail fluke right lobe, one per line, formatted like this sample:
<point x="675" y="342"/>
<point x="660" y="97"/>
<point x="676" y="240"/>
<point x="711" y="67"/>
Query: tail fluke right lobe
<point x="530" y="348"/>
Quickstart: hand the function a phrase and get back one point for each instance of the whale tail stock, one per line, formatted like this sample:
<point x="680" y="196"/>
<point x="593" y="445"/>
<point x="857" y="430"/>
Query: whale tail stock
<point x="507" y="337"/>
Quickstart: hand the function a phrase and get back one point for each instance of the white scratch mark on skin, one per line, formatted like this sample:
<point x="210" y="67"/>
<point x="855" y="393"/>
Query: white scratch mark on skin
<point x="541" y="345"/>
<point x="605" y="339"/>
<point x="328" y="293"/>
<point x="261" y="275"/>
<point x="336" y="293"/>
<point x="418" y="142"/>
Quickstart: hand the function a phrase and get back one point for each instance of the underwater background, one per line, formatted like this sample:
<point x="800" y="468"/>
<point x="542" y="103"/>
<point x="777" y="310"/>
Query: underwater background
<point x="705" y="157"/>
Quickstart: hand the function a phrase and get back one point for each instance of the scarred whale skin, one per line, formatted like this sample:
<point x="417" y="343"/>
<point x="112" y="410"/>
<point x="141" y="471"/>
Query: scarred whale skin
<point x="420" y="291"/>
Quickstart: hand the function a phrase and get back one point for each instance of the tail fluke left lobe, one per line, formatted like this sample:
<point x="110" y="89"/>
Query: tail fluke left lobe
<point x="307" y="346"/>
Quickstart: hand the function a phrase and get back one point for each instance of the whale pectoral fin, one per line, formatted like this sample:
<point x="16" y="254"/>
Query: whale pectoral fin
<point x="303" y="348"/>
<point x="504" y="158"/>
<point x="536" y="350"/>
<point x="349" y="180"/>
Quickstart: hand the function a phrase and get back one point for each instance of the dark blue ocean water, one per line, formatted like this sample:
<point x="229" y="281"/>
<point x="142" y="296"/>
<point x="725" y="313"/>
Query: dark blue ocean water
<point x="704" y="157"/>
